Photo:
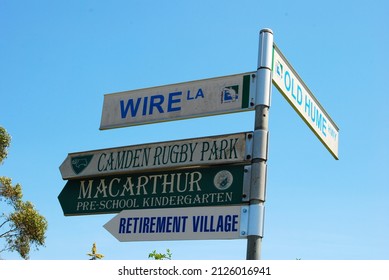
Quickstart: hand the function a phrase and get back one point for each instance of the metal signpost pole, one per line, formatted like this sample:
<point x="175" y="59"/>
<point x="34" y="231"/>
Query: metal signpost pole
<point x="260" y="145"/>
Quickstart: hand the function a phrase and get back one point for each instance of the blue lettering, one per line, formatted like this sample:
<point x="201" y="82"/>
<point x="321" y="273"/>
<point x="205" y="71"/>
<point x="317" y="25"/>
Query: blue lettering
<point x="227" y="224"/>
<point x="324" y="127"/>
<point x="234" y="222"/>
<point x="200" y="93"/>
<point x="307" y="107"/>
<point x="287" y="83"/>
<point x="122" y="225"/>
<point x="176" y="224"/>
<point x="321" y="121"/>
<point x="313" y="112"/>
<point x="152" y="224"/>
<point x="299" y="95"/>
<point x="293" y="94"/>
<point x="188" y="97"/>
<point x="161" y="224"/>
<point x="130" y="105"/>
<point x="289" y="86"/>
<point x="144" y="111"/>
<point x="212" y="228"/>
<point x="319" y="118"/>
<point x="220" y="223"/>
<point x="184" y="218"/>
<point x="206" y="229"/>
<point x="205" y="224"/>
<point x="196" y="221"/>
<point x="169" y="223"/>
<point x="315" y="115"/>
<point x="129" y="224"/>
<point x="332" y="132"/>
<point x="146" y="223"/>
<point x="171" y="101"/>
<point x="156" y="101"/>
<point x="136" y="219"/>
<point x="211" y="224"/>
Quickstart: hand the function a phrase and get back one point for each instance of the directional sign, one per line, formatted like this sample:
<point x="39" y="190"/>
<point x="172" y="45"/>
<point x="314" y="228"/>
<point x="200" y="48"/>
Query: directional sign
<point x="221" y="185"/>
<point x="214" y="96"/>
<point x="292" y="87"/>
<point x="223" y="149"/>
<point x="199" y="223"/>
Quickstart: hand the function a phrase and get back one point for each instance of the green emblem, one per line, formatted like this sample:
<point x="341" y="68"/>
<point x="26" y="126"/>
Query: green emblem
<point x="80" y="163"/>
<point x="223" y="180"/>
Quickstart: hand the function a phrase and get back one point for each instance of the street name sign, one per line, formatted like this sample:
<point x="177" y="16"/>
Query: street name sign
<point x="212" y="186"/>
<point x="198" y="223"/>
<point x="206" y="97"/>
<point x="216" y="150"/>
<point x="292" y="87"/>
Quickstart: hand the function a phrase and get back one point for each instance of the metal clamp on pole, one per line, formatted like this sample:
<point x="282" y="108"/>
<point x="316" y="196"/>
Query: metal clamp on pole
<point x="256" y="219"/>
<point x="261" y="137"/>
<point x="260" y="145"/>
<point x="265" y="60"/>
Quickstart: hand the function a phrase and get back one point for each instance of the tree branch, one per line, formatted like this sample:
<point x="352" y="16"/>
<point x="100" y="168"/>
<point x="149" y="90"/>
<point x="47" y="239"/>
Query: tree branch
<point x="7" y="232"/>
<point x="6" y="221"/>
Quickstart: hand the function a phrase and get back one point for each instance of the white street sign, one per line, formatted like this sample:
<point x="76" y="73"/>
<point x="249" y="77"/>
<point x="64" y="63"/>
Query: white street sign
<point x="292" y="87"/>
<point x="197" y="223"/>
<point x="213" y="150"/>
<point x="213" y="96"/>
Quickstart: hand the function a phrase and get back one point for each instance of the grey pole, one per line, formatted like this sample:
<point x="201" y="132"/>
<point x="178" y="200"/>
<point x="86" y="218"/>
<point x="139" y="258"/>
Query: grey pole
<point x="260" y="145"/>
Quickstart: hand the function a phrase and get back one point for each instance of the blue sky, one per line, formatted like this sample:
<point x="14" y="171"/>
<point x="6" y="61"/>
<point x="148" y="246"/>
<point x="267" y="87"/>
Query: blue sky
<point x="59" y="58"/>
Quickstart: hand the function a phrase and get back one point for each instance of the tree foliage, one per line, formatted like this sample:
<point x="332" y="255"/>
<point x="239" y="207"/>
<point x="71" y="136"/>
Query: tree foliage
<point x="94" y="253"/>
<point x="21" y="225"/>
<point x="5" y="141"/>
<point x="159" y="256"/>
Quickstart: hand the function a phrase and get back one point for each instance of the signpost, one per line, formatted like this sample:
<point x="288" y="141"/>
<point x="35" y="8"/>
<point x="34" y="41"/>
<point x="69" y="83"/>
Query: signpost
<point x="214" y="96"/>
<point x="260" y="146"/>
<point x="223" y="149"/>
<point x="194" y="188"/>
<point x="292" y="87"/>
<point x="220" y="185"/>
<point x="199" y="223"/>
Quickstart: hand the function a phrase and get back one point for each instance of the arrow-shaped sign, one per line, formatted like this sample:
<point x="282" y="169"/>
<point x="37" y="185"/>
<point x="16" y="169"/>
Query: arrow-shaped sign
<point x="213" y="150"/>
<point x="198" y="223"/>
<point x="220" y="185"/>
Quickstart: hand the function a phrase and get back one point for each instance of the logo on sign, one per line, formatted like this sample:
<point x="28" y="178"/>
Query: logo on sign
<point x="80" y="163"/>
<point x="223" y="180"/>
<point x="229" y="94"/>
<point x="279" y="69"/>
